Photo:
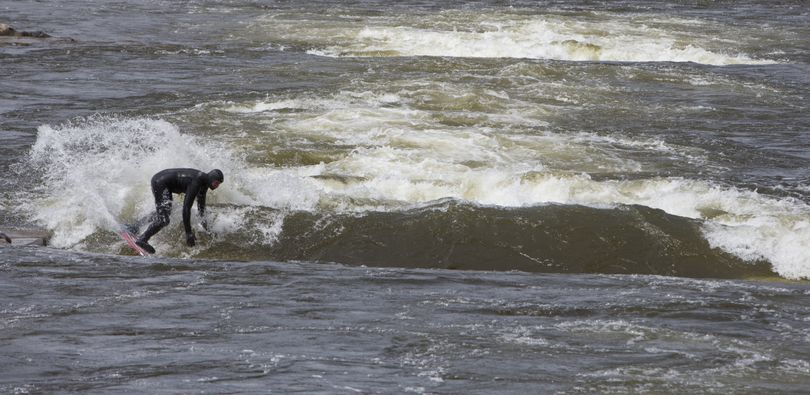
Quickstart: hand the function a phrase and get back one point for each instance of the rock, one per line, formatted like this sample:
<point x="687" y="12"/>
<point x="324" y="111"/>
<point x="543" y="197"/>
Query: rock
<point x="37" y="34"/>
<point x="8" y="31"/>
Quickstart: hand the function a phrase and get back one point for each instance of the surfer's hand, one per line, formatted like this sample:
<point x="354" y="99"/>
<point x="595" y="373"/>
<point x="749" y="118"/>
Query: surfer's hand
<point x="190" y="239"/>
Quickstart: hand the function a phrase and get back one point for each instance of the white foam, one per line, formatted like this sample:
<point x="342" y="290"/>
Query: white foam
<point x="403" y="158"/>
<point x="745" y="223"/>
<point x="288" y="188"/>
<point x="263" y="106"/>
<point x="523" y="336"/>
<point x="782" y="241"/>
<point x="97" y="171"/>
<point x="97" y="174"/>
<point x="603" y="38"/>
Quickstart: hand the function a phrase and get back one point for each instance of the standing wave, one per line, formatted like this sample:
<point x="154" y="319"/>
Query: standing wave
<point x="95" y="175"/>
<point x="455" y="235"/>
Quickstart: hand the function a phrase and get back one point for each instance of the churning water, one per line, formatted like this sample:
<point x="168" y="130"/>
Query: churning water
<point x="624" y="149"/>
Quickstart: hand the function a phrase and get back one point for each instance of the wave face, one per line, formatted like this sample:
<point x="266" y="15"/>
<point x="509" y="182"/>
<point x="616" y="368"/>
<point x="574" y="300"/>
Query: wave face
<point x="552" y="238"/>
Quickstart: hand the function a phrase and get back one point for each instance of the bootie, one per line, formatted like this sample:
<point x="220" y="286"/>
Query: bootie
<point x="148" y="248"/>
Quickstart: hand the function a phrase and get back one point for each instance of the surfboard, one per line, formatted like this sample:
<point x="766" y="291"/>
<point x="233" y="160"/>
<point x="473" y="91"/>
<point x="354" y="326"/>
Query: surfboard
<point x="130" y="240"/>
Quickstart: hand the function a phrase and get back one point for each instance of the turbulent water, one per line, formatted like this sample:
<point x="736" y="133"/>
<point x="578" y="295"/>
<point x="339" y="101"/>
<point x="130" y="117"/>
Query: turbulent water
<point x="102" y="324"/>
<point x="604" y="144"/>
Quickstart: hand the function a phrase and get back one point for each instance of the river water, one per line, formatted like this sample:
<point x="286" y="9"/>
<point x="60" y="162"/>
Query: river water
<point x="427" y="197"/>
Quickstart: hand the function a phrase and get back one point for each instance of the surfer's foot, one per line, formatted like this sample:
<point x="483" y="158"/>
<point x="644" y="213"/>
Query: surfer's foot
<point x="145" y="246"/>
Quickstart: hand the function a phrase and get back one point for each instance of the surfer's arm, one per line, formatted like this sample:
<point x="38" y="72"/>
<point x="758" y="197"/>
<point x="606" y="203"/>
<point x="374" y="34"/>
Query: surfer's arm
<point x="191" y="194"/>
<point x="201" y="209"/>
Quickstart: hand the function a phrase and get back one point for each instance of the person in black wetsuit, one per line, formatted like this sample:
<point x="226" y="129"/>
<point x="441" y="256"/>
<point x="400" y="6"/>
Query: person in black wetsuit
<point x="194" y="184"/>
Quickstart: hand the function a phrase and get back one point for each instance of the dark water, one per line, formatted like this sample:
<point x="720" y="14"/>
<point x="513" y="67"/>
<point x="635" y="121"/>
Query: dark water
<point x="572" y="151"/>
<point x="101" y="324"/>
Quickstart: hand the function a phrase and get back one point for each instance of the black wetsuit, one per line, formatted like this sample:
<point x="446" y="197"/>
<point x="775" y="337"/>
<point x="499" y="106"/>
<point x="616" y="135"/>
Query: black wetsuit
<point x="193" y="183"/>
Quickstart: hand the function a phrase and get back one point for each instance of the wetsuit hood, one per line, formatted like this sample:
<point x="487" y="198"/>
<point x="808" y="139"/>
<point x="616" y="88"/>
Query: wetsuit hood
<point x="215" y="175"/>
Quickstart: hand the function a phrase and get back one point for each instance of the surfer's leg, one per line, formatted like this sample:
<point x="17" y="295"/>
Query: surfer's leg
<point x="163" y="209"/>
<point x="135" y="227"/>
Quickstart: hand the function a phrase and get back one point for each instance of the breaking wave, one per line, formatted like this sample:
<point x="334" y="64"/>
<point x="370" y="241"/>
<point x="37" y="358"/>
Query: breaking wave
<point x="383" y="198"/>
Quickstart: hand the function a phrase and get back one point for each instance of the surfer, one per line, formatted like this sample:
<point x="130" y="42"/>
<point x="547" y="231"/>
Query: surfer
<point x="194" y="184"/>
